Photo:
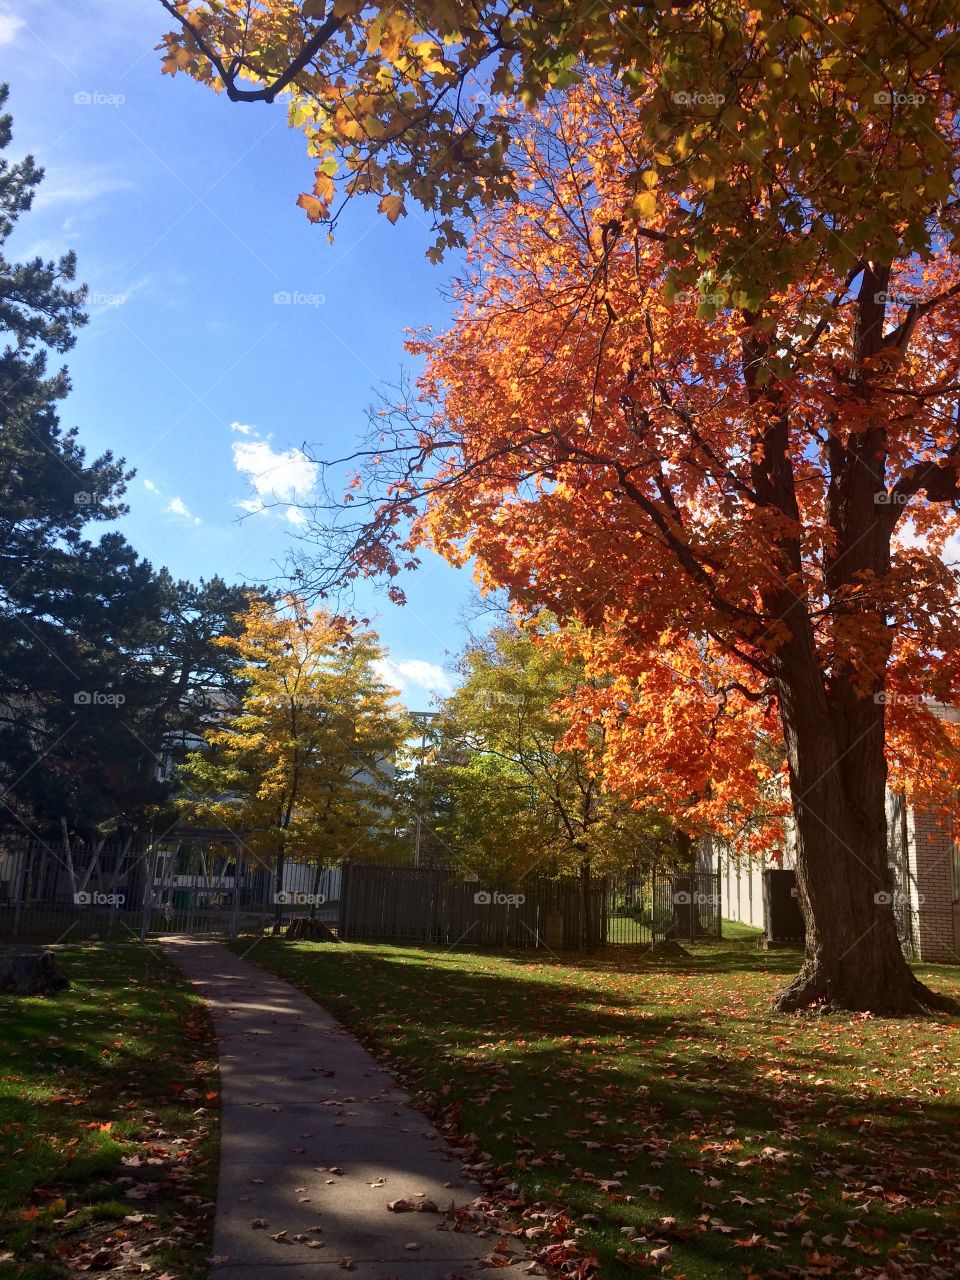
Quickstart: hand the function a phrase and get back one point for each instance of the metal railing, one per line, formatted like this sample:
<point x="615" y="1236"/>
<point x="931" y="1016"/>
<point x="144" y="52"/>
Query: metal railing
<point x="111" y="892"/>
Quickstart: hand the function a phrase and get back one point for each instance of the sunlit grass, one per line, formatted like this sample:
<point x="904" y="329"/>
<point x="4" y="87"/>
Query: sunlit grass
<point x="745" y="1141"/>
<point x="119" y="1068"/>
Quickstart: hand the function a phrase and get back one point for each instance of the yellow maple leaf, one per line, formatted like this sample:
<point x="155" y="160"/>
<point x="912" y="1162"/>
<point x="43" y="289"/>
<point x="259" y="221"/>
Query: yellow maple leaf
<point x="393" y="207"/>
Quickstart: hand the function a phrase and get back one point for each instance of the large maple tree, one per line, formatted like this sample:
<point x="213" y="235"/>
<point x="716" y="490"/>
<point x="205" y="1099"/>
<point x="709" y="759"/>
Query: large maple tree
<point x="748" y="508"/>
<point x="702" y="394"/>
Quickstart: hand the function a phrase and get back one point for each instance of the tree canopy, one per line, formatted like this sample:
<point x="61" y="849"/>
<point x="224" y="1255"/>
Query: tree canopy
<point x="776" y="139"/>
<point x="102" y="658"/>
<point x="301" y="767"/>
<point x="519" y="802"/>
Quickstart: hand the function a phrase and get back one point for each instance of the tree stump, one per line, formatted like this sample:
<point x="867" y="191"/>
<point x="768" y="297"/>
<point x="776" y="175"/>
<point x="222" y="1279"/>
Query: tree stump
<point x="304" y="929"/>
<point x="31" y="973"/>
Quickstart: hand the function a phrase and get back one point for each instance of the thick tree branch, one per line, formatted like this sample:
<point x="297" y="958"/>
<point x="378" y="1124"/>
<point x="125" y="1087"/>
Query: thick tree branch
<point x="327" y="29"/>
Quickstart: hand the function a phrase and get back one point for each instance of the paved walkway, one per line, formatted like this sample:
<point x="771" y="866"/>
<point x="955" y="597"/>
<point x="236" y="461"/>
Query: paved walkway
<point x="316" y="1138"/>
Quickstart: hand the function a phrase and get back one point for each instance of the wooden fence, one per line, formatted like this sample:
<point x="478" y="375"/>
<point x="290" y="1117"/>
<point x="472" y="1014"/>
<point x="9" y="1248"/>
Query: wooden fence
<point x="434" y="906"/>
<point x="120" y="892"/>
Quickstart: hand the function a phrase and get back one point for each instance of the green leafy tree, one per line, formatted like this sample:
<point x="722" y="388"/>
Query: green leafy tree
<point x="65" y="601"/>
<point x="520" y="799"/>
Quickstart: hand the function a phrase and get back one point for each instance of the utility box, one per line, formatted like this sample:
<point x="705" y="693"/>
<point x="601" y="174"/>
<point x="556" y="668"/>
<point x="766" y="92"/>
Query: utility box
<point x="782" y="918"/>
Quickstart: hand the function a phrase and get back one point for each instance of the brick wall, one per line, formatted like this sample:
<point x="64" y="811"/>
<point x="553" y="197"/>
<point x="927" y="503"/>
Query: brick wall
<point x="920" y="855"/>
<point x="930" y="845"/>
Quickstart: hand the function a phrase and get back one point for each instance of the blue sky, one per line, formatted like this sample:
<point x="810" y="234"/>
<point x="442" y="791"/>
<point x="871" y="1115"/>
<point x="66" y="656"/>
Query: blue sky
<point x="181" y="207"/>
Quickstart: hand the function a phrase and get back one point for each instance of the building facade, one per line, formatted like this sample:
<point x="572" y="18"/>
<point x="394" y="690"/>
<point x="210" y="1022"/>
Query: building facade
<point x="924" y="860"/>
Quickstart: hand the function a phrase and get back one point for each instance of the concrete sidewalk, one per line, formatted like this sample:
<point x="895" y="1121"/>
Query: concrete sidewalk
<point x="316" y="1138"/>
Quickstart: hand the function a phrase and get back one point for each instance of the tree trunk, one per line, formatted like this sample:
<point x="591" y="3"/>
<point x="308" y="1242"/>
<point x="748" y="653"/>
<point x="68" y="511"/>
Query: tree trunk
<point x="586" y="906"/>
<point x="68" y="853"/>
<point x="317" y="882"/>
<point x="853" y="958"/>
<point x="278" y="895"/>
<point x="306" y="929"/>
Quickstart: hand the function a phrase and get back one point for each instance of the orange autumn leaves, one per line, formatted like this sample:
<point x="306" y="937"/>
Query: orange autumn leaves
<point x="600" y="419"/>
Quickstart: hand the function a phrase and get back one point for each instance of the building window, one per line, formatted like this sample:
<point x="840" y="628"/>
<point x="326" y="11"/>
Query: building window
<point x="956" y="871"/>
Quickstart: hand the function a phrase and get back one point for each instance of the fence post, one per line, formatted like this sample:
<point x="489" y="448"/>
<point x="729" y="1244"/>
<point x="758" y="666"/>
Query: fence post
<point x="147" y="902"/>
<point x="237" y="879"/>
<point x="17" y="878"/>
<point x="342" y="923"/>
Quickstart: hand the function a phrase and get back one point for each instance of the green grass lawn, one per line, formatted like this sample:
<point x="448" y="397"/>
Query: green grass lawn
<point x="108" y="1122"/>
<point x="657" y="1094"/>
<point x="735" y="931"/>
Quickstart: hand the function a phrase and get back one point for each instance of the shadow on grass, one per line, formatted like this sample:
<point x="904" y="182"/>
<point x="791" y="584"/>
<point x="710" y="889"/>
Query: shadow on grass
<point x="87" y="1075"/>
<point x="731" y="957"/>
<point x="669" y="1074"/>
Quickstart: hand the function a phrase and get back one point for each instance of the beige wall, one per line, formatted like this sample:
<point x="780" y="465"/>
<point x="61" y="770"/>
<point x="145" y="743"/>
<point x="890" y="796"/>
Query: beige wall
<point x="921" y="859"/>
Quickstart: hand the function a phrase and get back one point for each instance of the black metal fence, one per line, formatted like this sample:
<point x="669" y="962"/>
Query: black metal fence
<point x="656" y="905"/>
<point x="111" y="892"/>
<point x="437" y="907"/>
<point x="50" y="893"/>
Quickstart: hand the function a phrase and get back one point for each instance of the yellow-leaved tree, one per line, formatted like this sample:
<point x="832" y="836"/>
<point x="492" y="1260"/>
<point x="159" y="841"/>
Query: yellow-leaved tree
<point x="303" y="767"/>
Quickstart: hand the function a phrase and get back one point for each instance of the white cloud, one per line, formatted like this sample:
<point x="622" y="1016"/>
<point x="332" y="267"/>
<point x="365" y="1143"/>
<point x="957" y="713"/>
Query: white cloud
<point x="287" y="476"/>
<point x="150" y="486"/>
<point x="177" y="507"/>
<point x="252" y="506"/>
<point x="9" y="26"/>
<point x="907" y="537"/>
<point x="414" y="674"/>
<point x="76" y="184"/>
<point x="244" y="428"/>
